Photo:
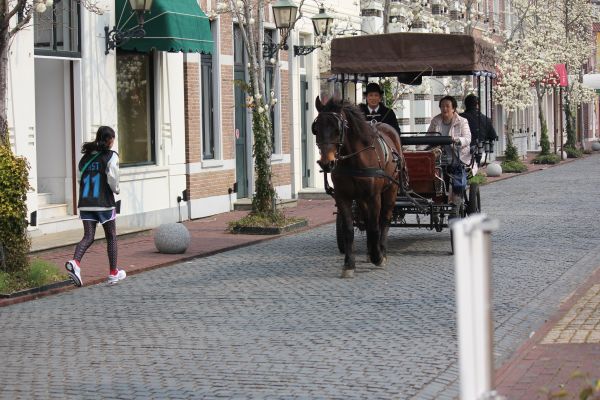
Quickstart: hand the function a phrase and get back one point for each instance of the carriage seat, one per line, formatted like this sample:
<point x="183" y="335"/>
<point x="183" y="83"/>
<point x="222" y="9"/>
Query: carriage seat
<point x="422" y="172"/>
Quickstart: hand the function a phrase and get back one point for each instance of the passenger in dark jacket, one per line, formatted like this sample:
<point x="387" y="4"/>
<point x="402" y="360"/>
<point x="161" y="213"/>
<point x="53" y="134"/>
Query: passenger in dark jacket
<point x="480" y="125"/>
<point x="375" y="110"/>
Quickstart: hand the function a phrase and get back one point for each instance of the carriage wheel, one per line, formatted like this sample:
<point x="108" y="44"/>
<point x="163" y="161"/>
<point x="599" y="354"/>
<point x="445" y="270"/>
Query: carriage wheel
<point x="339" y="232"/>
<point x="460" y="213"/>
<point x="474" y="203"/>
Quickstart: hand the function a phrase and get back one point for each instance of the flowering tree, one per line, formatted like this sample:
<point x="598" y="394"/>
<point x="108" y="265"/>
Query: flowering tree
<point x="575" y="20"/>
<point x="250" y="15"/>
<point x="526" y="59"/>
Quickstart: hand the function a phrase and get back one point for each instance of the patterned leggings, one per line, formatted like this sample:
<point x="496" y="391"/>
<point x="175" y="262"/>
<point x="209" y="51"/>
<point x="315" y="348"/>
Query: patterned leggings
<point x="89" y="232"/>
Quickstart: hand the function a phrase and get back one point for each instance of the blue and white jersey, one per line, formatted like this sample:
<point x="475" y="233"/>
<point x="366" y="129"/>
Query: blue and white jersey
<point x="99" y="182"/>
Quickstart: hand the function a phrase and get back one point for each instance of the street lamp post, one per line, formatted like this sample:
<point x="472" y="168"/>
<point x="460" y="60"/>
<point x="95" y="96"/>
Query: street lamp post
<point x="284" y="14"/>
<point x="322" y="23"/>
<point x="116" y="37"/>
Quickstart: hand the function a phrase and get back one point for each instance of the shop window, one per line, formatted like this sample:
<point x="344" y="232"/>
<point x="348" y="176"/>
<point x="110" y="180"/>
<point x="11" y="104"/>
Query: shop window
<point x="135" y="108"/>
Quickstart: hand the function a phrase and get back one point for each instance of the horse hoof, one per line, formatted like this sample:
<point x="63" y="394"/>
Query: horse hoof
<point x="383" y="262"/>
<point x="348" y="274"/>
<point x="378" y="262"/>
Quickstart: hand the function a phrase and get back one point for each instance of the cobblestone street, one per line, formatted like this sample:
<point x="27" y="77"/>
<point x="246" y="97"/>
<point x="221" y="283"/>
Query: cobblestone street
<point x="274" y="320"/>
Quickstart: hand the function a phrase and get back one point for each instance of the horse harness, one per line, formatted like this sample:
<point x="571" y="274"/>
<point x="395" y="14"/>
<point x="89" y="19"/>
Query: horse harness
<point x="387" y="150"/>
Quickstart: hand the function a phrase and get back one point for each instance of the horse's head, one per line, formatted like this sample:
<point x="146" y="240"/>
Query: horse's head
<point x="329" y="128"/>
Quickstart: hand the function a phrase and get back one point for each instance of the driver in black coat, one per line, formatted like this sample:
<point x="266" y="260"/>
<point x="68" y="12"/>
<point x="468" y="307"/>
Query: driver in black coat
<point x="375" y="110"/>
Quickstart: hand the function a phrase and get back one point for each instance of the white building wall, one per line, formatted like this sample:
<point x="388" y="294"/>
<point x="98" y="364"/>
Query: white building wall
<point x="21" y="108"/>
<point x="148" y="193"/>
<point x="347" y="14"/>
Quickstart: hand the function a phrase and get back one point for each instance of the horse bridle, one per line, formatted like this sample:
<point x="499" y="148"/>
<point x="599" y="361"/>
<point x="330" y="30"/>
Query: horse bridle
<point x="342" y="126"/>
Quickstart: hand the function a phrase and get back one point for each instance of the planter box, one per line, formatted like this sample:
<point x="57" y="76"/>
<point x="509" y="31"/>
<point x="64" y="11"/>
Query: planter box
<point x="255" y="230"/>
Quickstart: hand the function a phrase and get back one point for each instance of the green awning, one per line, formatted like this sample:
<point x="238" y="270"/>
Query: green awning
<point x="171" y="25"/>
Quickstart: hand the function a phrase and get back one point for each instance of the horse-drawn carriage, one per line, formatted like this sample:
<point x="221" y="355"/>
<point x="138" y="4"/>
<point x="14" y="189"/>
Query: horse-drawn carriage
<point x="377" y="182"/>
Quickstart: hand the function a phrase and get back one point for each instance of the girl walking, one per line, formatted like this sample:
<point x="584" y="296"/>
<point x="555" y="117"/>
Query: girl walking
<point x="98" y="183"/>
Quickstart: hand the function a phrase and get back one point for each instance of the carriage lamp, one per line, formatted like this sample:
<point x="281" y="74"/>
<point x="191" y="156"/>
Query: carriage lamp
<point x="116" y="37"/>
<point x="322" y="23"/>
<point x="284" y="14"/>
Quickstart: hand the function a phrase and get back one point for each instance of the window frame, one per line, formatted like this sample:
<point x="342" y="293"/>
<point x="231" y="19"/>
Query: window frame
<point x="208" y="107"/>
<point x="271" y="37"/>
<point x="60" y="53"/>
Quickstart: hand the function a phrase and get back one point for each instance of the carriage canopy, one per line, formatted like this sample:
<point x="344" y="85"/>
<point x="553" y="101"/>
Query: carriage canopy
<point x="413" y="54"/>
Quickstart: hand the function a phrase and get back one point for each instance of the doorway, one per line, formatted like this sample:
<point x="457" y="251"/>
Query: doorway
<point x="304" y="131"/>
<point x="55" y="120"/>
<point x="241" y="116"/>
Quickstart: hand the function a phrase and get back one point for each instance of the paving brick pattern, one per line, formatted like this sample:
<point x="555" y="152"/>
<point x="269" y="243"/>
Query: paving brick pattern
<point x="581" y="324"/>
<point x="274" y="320"/>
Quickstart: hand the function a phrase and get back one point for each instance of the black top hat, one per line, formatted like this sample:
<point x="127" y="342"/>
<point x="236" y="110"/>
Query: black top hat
<point x="373" y="87"/>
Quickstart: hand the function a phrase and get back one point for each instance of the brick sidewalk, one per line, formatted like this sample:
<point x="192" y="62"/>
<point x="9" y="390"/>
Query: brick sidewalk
<point x="137" y="252"/>
<point x="568" y="342"/>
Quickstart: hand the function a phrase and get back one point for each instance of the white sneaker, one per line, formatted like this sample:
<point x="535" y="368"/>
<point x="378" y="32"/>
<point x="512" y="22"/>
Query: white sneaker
<point x="74" y="272"/>
<point x="114" y="279"/>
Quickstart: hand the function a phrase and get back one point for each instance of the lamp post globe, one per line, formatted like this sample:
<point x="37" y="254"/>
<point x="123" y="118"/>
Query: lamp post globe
<point x="140" y="5"/>
<point x="322" y="23"/>
<point x="284" y="13"/>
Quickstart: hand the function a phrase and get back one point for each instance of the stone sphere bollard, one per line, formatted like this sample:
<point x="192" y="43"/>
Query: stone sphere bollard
<point x="494" y="169"/>
<point x="172" y="238"/>
<point x="564" y="155"/>
<point x="596" y="146"/>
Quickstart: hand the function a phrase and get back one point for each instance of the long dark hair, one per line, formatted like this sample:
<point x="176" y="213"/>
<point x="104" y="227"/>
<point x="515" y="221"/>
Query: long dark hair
<point x="103" y="135"/>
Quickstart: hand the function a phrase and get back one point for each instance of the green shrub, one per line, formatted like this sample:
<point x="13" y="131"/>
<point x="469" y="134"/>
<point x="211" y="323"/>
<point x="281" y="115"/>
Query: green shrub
<point x="14" y="184"/>
<point x="42" y="272"/>
<point x="4" y="282"/>
<point x="572" y="152"/>
<point x="262" y="220"/>
<point x="511" y="153"/>
<point x="478" y="179"/>
<point x="38" y="273"/>
<point x="547" y="159"/>
<point x="588" y="388"/>
<point x="544" y="141"/>
<point x="513" y="166"/>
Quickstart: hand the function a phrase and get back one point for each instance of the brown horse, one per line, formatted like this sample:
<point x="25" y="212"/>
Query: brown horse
<point x="364" y="162"/>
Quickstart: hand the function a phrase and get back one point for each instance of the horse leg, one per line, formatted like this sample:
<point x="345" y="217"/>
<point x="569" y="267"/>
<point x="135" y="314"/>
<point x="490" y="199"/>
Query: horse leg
<point x="373" y="233"/>
<point x="348" y="231"/>
<point x="388" y="204"/>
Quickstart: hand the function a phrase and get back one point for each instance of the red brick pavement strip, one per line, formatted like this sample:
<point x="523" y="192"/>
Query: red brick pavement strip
<point x="208" y="236"/>
<point x="535" y="366"/>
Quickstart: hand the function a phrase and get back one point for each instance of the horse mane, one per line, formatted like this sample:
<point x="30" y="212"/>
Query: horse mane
<point x="357" y="123"/>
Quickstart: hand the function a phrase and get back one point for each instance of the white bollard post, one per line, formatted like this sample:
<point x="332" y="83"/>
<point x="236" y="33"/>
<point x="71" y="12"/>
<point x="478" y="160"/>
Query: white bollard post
<point x="472" y="264"/>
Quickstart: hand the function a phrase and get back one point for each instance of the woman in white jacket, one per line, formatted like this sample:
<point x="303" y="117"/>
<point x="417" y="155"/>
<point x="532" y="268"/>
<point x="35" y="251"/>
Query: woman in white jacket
<point x="449" y="123"/>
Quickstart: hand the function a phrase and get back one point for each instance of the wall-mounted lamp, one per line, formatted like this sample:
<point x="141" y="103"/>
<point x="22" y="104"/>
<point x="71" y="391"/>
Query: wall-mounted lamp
<point x="322" y="23"/>
<point x="284" y="13"/>
<point x="116" y="37"/>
